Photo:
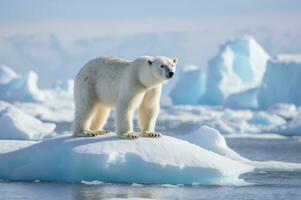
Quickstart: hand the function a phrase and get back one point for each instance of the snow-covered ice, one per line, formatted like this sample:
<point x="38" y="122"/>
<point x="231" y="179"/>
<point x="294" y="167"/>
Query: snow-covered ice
<point x="16" y="124"/>
<point x="201" y="157"/>
<point x="158" y="161"/>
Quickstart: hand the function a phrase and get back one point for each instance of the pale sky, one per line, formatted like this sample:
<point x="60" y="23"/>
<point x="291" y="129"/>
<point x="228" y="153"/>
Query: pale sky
<point x="48" y="36"/>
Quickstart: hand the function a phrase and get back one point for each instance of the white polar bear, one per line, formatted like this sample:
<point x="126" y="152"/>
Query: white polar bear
<point x="111" y="82"/>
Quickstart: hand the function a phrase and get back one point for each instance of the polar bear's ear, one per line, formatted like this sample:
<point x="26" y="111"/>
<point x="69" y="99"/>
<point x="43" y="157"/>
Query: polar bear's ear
<point x="149" y="62"/>
<point x="175" y="60"/>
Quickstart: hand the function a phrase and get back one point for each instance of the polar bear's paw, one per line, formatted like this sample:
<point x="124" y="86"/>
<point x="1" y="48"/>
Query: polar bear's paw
<point x="151" y="134"/>
<point x="91" y="133"/>
<point x="101" y="132"/>
<point x="131" y="136"/>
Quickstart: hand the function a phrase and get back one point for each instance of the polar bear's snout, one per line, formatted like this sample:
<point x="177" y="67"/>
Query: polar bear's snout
<point x="170" y="74"/>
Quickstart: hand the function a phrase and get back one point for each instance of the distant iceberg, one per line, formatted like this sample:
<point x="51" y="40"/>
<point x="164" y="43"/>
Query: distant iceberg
<point x="241" y="76"/>
<point x="281" y="82"/>
<point x="14" y="87"/>
<point x="28" y="89"/>
<point x="239" y="66"/>
<point x="51" y="104"/>
<point x="7" y="74"/>
<point x="243" y="100"/>
<point x="64" y="86"/>
<point x="190" y="86"/>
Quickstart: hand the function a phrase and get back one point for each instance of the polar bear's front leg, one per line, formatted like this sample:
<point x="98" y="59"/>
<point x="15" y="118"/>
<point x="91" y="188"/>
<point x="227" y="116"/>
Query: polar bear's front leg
<point x="148" y="112"/>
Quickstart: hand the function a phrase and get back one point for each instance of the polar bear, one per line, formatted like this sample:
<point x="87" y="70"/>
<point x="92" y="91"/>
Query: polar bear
<point x="114" y="83"/>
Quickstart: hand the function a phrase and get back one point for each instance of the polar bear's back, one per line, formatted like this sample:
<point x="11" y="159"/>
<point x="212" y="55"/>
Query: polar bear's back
<point x="105" y="62"/>
<point x="111" y="60"/>
<point x="104" y="76"/>
<point x="104" y="67"/>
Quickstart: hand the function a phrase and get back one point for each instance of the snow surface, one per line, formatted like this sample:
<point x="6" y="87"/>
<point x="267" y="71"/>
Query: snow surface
<point x="239" y="66"/>
<point x="110" y="159"/>
<point x="16" y="124"/>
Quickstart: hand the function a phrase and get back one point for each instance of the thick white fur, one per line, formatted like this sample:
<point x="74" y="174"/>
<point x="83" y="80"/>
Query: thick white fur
<point x="110" y="82"/>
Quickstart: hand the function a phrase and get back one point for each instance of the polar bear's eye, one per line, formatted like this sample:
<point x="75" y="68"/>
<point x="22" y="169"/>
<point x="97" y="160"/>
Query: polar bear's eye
<point x="162" y="66"/>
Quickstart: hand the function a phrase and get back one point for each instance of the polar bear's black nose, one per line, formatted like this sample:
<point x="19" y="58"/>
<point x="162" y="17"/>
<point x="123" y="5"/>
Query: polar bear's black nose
<point x="170" y="74"/>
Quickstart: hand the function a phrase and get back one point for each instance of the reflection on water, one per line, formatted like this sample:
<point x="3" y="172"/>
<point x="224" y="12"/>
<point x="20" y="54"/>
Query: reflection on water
<point x="275" y="185"/>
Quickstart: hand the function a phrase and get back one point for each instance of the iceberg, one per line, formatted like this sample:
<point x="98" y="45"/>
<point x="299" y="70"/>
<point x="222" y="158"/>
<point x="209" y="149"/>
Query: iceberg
<point x="281" y="82"/>
<point x="107" y="158"/>
<point x="64" y="86"/>
<point x="239" y="66"/>
<point x="14" y="87"/>
<point x="189" y="87"/>
<point x="28" y="89"/>
<point x="17" y="125"/>
<point x="45" y="104"/>
<point x="243" y="100"/>
<point x="7" y="74"/>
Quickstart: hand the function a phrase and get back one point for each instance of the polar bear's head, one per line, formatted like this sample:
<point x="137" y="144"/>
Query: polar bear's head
<point x="155" y="70"/>
<point x="162" y="68"/>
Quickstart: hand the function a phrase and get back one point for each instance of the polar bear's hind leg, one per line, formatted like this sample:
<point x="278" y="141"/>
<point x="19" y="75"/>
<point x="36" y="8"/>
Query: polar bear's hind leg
<point x="82" y="121"/>
<point x="99" y="119"/>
